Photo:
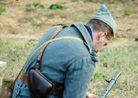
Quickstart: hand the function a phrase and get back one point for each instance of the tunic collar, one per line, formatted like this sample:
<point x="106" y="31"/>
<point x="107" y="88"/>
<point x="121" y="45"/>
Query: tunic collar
<point x="85" y="34"/>
<point x="89" y="30"/>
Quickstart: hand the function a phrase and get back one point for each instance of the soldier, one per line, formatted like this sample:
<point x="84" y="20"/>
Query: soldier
<point x="70" y="61"/>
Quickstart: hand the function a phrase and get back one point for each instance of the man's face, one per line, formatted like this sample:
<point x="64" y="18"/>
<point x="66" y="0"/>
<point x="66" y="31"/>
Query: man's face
<point x="100" y="41"/>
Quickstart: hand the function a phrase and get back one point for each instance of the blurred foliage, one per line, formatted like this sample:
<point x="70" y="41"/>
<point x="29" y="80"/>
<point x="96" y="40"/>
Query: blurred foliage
<point x="31" y="40"/>
<point x="74" y="0"/>
<point x="129" y="11"/>
<point x="38" y="5"/>
<point x="35" y="5"/>
<point x="136" y="39"/>
<point x="103" y="1"/>
<point x="2" y="9"/>
<point x="49" y="15"/>
<point x="57" y="6"/>
<point x="98" y="75"/>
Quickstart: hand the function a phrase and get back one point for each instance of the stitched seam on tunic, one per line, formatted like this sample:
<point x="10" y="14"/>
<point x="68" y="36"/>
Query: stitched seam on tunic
<point x="81" y="57"/>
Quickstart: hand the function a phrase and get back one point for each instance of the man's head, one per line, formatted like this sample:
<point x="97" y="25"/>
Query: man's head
<point x="102" y="34"/>
<point x="103" y="27"/>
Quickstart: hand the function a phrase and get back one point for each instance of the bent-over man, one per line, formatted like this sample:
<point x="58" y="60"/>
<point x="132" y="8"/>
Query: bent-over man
<point x="70" y="61"/>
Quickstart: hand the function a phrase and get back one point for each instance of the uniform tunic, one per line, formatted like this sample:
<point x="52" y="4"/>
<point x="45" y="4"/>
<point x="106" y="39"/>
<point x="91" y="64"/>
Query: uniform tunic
<point x="67" y="61"/>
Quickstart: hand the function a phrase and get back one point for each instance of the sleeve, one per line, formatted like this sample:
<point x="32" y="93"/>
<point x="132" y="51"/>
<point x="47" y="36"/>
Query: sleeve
<point x="78" y="77"/>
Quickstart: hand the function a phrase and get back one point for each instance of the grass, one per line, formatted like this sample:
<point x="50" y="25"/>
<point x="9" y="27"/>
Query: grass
<point x="2" y="9"/>
<point x="14" y="52"/>
<point x="123" y="59"/>
<point x="36" y="19"/>
<point x="57" y="6"/>
<point x="35" y="5"/>
<point x="112" y="59"/>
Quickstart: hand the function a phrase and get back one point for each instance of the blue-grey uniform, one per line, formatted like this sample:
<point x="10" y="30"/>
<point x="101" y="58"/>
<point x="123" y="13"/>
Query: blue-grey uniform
<point x="67" y="61"/>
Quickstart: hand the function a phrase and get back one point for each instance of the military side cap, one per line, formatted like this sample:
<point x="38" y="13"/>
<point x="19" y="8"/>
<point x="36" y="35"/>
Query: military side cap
<point x="104" y="15"/>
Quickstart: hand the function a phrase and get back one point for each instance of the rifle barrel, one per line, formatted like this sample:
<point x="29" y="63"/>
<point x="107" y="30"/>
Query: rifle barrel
<point x="110" y="85"/>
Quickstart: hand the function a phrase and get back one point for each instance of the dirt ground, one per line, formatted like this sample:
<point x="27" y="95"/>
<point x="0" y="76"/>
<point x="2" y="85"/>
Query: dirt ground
<point x="20" y="21"/>
<point x="24" y="23"/>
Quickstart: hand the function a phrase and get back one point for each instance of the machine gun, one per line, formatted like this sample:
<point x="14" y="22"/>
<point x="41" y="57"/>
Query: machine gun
<point x="110" y="85"/>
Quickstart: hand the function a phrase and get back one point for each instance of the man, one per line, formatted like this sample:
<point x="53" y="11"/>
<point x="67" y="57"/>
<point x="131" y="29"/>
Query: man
<point x="68" y="61"/>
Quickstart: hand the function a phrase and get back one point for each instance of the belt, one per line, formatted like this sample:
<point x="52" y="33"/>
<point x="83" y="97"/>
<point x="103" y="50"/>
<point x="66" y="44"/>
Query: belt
<point x="57" y="91"/>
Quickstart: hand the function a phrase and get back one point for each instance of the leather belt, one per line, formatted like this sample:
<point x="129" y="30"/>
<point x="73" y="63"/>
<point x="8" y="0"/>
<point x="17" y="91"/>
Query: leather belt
<point x="57" y="91"/>
<point x="24" y="79"/>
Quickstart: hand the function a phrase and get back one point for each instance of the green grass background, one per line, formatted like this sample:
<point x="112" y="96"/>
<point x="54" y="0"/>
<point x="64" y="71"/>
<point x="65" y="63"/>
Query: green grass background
<point x="27" y="23"/>
<point x="112" y="59"/>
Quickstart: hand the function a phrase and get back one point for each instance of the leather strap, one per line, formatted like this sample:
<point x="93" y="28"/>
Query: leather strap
<point x="24" y="78"/>
<point x="58" y="89"/>
<point x="55" y="33"/>
<point x="41" y="52"/>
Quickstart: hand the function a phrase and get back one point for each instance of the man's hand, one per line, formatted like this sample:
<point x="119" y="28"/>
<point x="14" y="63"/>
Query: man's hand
<point x="89" y="95"/>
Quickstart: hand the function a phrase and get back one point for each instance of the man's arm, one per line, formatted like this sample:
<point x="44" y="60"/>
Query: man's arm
<point x="77" y="78"/>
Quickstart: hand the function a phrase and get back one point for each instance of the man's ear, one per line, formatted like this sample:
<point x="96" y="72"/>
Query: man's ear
<point x="101" y="35"/>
